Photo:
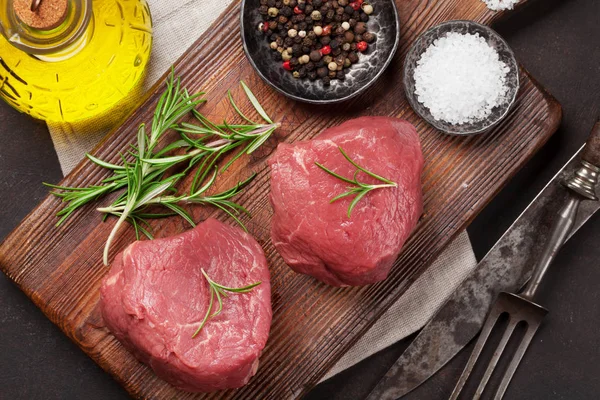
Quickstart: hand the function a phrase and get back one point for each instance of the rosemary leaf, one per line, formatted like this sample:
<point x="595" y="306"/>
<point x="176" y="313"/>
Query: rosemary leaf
<point x="146" y="170"/>
<point x="217" y="290"/>
<point x="358" y="189"/>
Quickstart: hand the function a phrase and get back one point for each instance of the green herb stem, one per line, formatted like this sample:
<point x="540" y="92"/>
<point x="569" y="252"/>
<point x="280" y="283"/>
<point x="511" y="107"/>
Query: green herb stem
<point x="146" y="175"/>
<point x="358" y="189"/>
<point x="219" y="291"/>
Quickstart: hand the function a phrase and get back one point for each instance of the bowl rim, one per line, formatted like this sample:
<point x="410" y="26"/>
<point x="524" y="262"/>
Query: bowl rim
<point x="412" y="99"/>
<point x="330" y="101"/>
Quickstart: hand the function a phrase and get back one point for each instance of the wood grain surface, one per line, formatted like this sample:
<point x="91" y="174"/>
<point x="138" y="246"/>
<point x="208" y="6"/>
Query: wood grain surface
<point x="60" y="269"/>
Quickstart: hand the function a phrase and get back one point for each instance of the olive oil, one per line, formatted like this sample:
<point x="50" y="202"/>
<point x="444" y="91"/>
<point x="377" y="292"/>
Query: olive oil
<point x="88" y="67"/>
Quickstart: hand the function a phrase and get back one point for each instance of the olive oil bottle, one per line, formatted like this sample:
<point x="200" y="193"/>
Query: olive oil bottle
<point x="73" y="60"/>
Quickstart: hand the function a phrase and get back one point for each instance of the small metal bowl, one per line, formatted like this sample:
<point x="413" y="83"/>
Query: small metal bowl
<point x="495" y="41"/>
<point x="384" y="22"/>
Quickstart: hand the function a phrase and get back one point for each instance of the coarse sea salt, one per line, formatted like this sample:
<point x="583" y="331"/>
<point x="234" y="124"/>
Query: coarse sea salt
<point x="460" y="78"/>
<point x="498" y="5"/>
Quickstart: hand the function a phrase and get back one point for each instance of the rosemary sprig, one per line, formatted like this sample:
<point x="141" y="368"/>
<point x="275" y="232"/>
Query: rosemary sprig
<point x="358" y="189"/>
<point x="219" y="291"/>
<point x="145" y="169"/>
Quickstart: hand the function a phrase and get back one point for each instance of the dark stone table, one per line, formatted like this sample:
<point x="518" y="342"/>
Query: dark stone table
<point x="559" y="42"/>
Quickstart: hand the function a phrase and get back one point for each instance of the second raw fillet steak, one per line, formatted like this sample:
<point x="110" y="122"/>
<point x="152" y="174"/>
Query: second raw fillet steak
<point x="316" y="237"/>
<point x="155" y="297"/>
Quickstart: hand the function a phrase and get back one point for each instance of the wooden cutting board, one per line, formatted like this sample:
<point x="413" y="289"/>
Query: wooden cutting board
<point x="60" y="269"/>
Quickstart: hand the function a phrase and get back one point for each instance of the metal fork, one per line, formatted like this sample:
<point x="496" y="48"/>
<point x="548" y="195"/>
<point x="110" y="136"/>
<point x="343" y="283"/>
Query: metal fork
<point x="520" y="308"/>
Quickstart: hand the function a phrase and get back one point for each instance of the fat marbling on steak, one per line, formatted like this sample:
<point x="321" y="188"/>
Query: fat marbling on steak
<point x="155" y="297"/>
<point x="316" y="237"/>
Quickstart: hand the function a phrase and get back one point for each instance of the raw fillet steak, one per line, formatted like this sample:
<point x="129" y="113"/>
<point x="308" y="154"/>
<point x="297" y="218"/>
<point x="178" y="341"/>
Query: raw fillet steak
<point x="316" y="237"/>
<point x="155" y="297"/>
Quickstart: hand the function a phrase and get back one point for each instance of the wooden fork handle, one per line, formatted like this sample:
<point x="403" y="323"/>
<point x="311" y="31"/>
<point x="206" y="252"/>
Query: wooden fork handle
<point x="591" y="152"/>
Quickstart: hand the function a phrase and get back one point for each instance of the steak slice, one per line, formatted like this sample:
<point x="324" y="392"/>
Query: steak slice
<point x="155" y="297"/>
<point x="316" y="237"/>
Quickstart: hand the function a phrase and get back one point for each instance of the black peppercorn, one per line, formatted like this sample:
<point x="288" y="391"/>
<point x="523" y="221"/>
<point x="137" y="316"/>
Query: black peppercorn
<point x="349" y="37"/>
<point x="292" y="37"/>
<point x="302" y="72"/>
<point x="296" y="50"/>
<point x="322" y="72"/>
<point x="368" y="37"/>
<point x="315" y="55"/>
<point x="360" y="28"/>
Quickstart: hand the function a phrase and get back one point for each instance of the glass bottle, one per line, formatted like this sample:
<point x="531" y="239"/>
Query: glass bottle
<point x="73" y="60"/>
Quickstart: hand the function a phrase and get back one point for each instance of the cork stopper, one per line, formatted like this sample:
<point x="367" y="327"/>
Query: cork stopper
<point x="41" y="14"/>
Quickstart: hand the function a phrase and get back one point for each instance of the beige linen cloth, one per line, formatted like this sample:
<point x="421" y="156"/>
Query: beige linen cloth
<point x="177" y="24"/>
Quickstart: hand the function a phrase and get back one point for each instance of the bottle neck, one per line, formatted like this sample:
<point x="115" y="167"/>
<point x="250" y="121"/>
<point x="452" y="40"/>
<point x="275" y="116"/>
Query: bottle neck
<point x="55" y="44"/>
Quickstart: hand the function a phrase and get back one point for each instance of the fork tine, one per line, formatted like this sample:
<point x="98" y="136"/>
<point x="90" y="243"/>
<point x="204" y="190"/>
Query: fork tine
<point x="512" y="367"/>
<point x="483" y="336"/>
<point x="512" y="323"/>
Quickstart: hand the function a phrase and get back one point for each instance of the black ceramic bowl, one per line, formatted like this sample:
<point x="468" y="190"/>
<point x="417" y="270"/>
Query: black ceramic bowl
<point x="493" y="40"/>
<point x="384" y="23"/>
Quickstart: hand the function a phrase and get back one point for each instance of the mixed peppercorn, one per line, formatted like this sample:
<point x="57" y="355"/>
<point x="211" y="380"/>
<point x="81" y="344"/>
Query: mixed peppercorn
<point x="316" y="39"/>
